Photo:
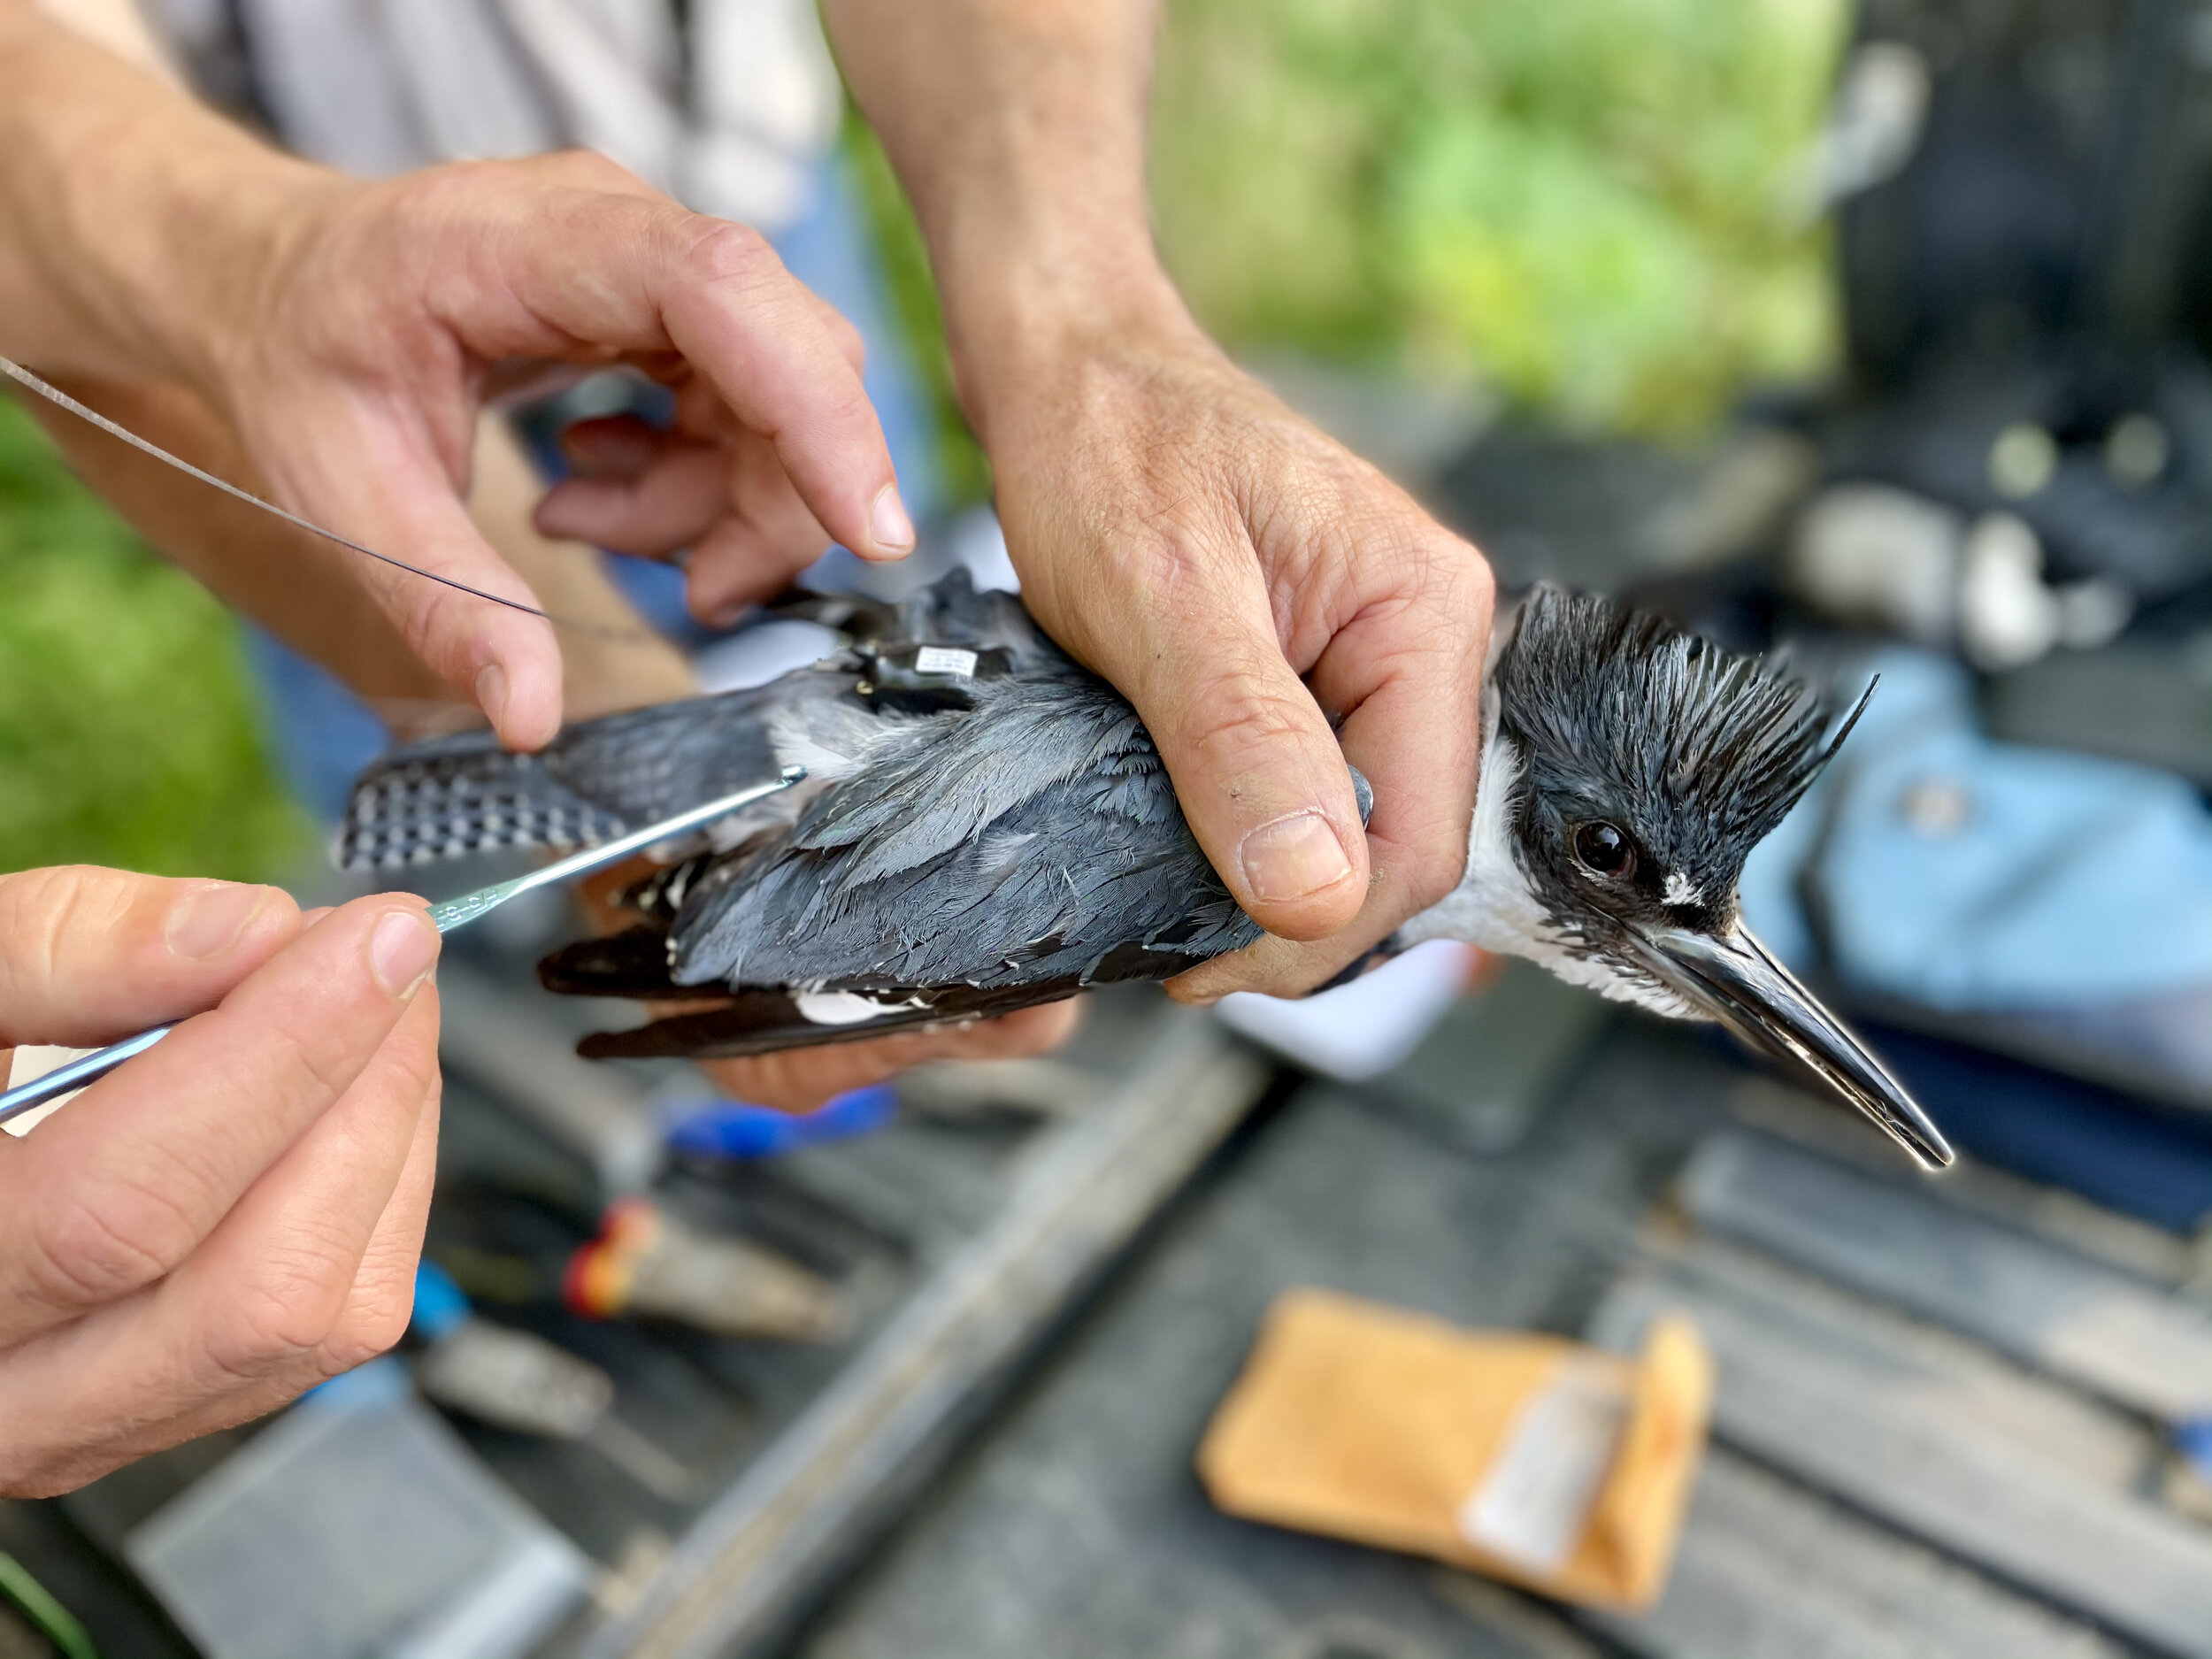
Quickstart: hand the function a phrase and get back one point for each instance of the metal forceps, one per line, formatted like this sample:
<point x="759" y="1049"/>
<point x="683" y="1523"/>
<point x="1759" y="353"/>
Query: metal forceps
<point x="445" y="917"/>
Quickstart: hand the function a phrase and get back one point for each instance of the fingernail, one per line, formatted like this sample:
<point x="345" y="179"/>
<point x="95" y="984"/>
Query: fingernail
<point x="1292" y="857"/>
<point x="888" y="522"/>
<point x="207" y="921"/>
<point x="491" y="691"/>
<point x="403" y="948"/>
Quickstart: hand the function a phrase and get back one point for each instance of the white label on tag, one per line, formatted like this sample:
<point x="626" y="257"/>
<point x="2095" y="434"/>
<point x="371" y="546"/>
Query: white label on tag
<point x="1533" y="1505"/>
<point x="945" y="659"/>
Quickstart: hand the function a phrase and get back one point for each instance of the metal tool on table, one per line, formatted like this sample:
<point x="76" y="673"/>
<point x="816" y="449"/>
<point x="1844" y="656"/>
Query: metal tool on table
<point x="445" y="917"/>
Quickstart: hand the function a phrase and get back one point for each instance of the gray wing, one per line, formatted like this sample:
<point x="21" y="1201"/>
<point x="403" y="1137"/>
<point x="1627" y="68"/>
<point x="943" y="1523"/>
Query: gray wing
<point x="461" y="794"/>
<point x="1035" y="838"/>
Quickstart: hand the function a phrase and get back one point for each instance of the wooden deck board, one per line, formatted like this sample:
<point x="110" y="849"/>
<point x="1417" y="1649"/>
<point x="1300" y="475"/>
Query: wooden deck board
<point x="1770" y="1571"/>
<point x="2050" y="1308"/>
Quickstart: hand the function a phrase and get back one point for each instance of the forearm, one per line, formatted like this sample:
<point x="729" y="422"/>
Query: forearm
<point x="1018" y="128"/>
<point x="133" y="223"/>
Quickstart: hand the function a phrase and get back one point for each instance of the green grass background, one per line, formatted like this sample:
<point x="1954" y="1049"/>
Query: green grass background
<point x="1584" y="204"/>
<point x="128" y="733"/>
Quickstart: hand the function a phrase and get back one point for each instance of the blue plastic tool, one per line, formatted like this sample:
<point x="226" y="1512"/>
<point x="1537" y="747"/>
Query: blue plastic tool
<point x="732" y="1129"/>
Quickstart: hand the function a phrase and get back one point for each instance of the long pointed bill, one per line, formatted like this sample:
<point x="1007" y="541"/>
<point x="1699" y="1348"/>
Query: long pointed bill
<point x="1737" y="982"/>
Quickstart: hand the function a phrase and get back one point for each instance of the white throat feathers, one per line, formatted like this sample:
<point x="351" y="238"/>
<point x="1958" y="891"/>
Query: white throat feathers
<point x="1494" y="906"/>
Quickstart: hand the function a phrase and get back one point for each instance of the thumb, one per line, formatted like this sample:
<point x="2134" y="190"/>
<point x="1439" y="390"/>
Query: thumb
<point x="1255" y="766"/>
<point x="399" y="499"/>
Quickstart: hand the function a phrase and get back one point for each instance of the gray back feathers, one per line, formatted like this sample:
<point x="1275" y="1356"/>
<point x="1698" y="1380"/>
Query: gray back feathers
<point x="1025" y="841"/>
<point x="1028" y="835"/>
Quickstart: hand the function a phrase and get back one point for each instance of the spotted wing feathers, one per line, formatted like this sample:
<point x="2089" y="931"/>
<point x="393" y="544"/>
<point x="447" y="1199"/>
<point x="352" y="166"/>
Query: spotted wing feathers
<point x="598" y="780"/>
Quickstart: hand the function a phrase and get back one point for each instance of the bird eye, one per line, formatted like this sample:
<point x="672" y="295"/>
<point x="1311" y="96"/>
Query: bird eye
<point x="1603" y="850"/>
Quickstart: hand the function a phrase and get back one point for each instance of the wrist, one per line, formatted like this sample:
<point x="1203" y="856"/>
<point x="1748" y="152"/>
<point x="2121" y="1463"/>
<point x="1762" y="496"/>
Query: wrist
<point x="1021" y="313"/>
<point x="217" y="244"/>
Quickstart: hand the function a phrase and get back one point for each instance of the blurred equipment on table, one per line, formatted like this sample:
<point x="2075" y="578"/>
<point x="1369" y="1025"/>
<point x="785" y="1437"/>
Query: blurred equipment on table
<point x="646" y="1264"/>
<point x="517" y="1380"/>
<point x="2010" y="488"/>
<point x="358" y="1523"/>
<point x="497" y="1374"/>
<point x="2020" y="474"/>
<point x="733" y="1129"/>
<point x="1938" y="869"/>
<point x="2028" y="317"/>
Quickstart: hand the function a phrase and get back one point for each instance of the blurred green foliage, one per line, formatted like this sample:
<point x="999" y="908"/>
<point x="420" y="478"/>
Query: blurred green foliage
<point x="127" y="730"/>
<point x="1592" y="205"/>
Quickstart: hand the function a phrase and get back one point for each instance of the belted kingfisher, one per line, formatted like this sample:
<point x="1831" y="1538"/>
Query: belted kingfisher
<point x="986" y="825"/>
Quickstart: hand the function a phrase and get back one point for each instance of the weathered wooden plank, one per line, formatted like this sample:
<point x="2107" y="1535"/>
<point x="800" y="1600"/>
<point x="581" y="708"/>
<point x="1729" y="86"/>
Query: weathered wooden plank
<point x="1483" y="1076"/>
<point x="1078" y="1195"/>
<point x="2132" y="1245"/>
<point x="1943" y="1453"/>
<point x="2048" y="1306"/>
<point x="1768" y="1571"/>
<point x="1888" y="1352"/>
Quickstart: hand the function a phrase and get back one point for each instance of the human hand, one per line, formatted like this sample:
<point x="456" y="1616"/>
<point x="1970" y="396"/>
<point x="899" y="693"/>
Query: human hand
<point x="1271" y="605"/>
<point x="349" y="334"/>
<point x="800" y="1080"/>
<point x="1244" y="580"/>
<point x="381" y="316"/>
<point x="234" y="1216"/>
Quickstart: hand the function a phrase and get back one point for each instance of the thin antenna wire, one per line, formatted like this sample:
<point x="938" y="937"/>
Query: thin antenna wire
<point x="54" y="394"/>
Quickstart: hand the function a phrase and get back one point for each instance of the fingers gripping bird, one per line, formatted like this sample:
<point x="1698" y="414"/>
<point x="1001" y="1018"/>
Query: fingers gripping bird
<point x="986" y="825"/>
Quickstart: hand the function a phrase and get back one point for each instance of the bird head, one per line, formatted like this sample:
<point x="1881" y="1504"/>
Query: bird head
<point x="1631" y="770"/>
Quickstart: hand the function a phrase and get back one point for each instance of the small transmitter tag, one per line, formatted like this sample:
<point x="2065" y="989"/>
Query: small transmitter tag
<point x="945" y="659"/>
<point x="923" y="678"/>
